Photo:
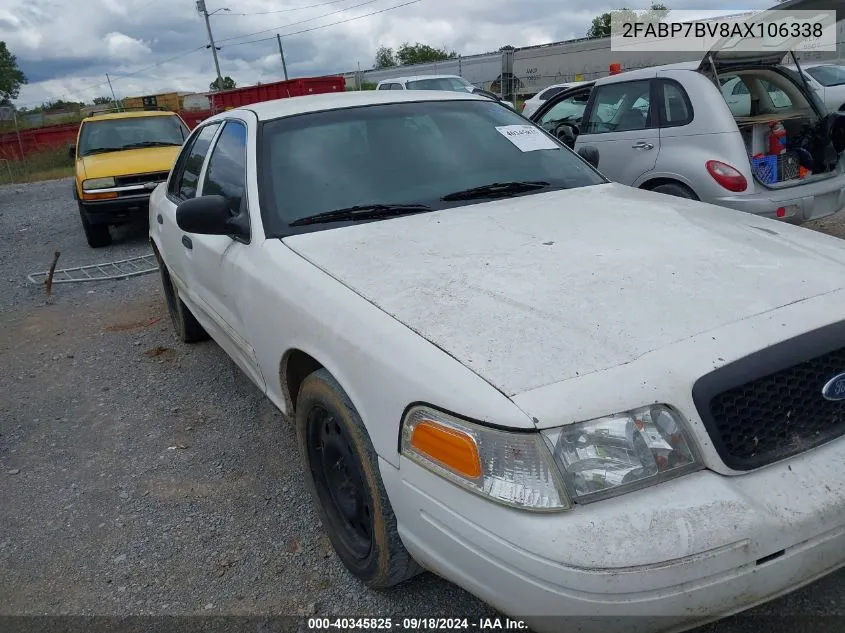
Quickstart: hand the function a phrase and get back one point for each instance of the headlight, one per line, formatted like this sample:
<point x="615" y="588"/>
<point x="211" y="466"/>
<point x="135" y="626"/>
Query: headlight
<point x="608" y="456"/>
<point x="98" y="183"/>
<point x="512" y="468"/>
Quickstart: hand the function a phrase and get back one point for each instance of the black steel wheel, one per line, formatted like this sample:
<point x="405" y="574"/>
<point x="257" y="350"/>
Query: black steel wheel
<point x="343" y="476"/>
<point x="339" y="481"/>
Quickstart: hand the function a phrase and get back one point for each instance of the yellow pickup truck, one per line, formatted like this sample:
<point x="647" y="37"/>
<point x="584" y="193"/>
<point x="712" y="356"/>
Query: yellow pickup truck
<point x="120" y="158"/>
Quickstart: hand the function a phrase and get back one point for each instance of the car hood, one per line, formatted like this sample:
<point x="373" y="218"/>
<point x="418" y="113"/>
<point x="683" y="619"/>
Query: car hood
<point x="542" y="288"/>
<point x="130" y="161"/>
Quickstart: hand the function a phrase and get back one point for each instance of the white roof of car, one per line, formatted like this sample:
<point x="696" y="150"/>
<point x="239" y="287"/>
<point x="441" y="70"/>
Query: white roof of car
<point x="418" y="77"/>
<point x="266" y="110"/>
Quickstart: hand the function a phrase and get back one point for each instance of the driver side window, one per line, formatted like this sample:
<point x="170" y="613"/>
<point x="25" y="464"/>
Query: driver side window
<point x="620" y="107"/>
<point x="186" y="172"/>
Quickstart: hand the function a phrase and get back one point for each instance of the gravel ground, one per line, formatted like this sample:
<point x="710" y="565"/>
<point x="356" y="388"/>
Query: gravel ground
<point x="140" y="476"/>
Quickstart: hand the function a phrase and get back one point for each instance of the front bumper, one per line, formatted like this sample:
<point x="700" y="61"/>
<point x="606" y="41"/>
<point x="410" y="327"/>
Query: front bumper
<point x="668" y="557"/>
<point x="801" y="203"/>
<point x="117" y="210"/>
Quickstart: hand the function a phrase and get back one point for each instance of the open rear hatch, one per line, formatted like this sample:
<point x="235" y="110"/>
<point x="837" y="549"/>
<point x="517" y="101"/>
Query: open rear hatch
<point x="790" y="137"/>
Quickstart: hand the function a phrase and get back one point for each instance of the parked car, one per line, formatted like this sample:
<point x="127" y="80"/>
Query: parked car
<point x="828" y="80"/>
<point x="119" y="159"/>
<point x="670" y="129"/>
<point x="568" y="396"/>
<point x="427" y="82"/>
<point x="451" y="83"/>
<point x="530" y="106"/>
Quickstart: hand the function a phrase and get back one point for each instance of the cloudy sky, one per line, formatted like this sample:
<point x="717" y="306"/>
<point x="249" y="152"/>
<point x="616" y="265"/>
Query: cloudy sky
<point x="66" y="47"/>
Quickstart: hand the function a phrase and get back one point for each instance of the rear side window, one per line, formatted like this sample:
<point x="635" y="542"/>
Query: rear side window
<point x="675" y="106"/>
<point x="183" y="184"/>
<point x="384" y="87"/>
<point x="226" y="173"/>
<point x="396" y="87"/>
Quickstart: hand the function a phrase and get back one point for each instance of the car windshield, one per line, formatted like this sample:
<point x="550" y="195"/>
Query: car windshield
<point x="111" y="135"/>
<point x="405" y="154"/>
<point x="828" y="75"/>
<point x="440" y="83"/>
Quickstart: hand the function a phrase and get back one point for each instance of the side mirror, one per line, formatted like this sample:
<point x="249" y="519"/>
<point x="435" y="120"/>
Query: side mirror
<point x="590" y="154"/>
<point x="210" y="215"/>
<point x="71" y="151"/>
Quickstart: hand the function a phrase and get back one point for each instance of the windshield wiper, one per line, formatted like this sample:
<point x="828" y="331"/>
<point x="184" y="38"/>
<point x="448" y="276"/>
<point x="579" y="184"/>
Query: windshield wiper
<point x="151" y="144"/>
<point x="362" y="212"/>
<point x="496" y="190"/>
<point x="100" y="150"/>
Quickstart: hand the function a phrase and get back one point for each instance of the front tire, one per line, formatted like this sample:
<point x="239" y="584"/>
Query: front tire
<point x="343" y="476"/>
<point x="188" y="329"/>
<point x="97" y="235"/>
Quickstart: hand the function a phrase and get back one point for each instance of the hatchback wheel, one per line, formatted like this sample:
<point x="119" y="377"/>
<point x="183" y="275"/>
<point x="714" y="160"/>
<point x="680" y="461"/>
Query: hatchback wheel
<point x="676" y="189"/>
<point x="343" y="477"/>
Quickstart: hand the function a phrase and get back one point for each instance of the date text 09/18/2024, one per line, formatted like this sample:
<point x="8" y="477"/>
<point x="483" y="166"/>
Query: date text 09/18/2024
<point x="416" y="624"/>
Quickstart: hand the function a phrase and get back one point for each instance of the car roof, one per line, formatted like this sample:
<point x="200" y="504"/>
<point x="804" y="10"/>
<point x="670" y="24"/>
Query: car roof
<point x="644" y="73"/>
<point x="266" y="110"/>
<point x="128" y="115"/>
<point x="418" y="77"/>
<point x="566" y="84"/>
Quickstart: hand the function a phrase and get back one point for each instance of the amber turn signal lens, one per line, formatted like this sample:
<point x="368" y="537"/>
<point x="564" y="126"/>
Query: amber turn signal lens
<point x="453" y="449"/>
<point x="99" y="196"/>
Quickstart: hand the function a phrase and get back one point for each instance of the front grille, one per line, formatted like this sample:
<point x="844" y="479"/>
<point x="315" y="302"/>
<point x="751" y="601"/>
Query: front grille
<point x="775" y="415"/>
<point x="140" y="179"/>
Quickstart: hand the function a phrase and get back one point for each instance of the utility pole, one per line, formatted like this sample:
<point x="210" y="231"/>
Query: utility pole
<point x="282" y="53"/>
<point x="113" y="98"/>
<point x="201" y="8"/>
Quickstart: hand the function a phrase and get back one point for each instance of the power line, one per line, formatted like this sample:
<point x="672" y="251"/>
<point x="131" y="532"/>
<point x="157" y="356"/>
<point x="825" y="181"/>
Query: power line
<point x="310" y="6"/>
<point x="116" y="78"/>
<point x="317" y="28"/>
<point x="275" y="28"/>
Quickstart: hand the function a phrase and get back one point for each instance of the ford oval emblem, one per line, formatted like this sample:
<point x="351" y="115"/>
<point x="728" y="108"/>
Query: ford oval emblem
<point x="834" y="389"/>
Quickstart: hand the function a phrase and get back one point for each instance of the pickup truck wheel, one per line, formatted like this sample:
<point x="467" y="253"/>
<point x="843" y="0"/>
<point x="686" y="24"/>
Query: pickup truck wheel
<point x="344" y="480"/>
<point x="97" y="234"/>
<point x="188" y="329"/>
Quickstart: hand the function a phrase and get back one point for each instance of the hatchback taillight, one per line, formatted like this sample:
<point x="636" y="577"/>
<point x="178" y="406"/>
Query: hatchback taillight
<point x="523" y="106"/>
<point x="729" y="177"/>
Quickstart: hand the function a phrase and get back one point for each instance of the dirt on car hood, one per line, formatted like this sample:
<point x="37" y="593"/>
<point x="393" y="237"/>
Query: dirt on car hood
<point x="538" y="289"/>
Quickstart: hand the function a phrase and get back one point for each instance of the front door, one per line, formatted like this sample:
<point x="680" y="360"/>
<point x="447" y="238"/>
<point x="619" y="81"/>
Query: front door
<point x="219" y="262"/>
<point x="621" y="123"/>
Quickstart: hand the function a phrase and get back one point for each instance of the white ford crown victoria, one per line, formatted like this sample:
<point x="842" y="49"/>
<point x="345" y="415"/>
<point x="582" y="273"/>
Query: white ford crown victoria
<point x="568" y="396"/>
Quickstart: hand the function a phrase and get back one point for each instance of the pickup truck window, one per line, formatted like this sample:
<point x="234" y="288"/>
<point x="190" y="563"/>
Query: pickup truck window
<point x="226" y="173"/>
<point x="183" y="185"/>
<point x="114" y="135"/>
<point x="402" y="153"/>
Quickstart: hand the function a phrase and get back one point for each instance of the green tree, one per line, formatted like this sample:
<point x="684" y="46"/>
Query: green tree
<point x="602" y="25"/>
<point x="384" y="57"/>
<point x="227" y="84"/>
<point x="421" y="53"/>
<point x="102" y="100"/>
<point x="11" y="77"/>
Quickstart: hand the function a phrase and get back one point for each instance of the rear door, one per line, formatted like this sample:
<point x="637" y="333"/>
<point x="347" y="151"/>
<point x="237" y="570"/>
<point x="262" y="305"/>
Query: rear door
<point x="182" y="185"/>
<point x="621" y="122"/>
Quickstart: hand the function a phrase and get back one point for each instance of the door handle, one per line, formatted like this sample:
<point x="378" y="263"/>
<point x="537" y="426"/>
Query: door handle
<point x="160" y="219"/>
<point x="186" y="242"/>
<point x="642" y="145"/>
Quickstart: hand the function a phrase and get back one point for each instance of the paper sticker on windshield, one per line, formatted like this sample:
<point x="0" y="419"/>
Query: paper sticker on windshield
<point x="526" y="137"/>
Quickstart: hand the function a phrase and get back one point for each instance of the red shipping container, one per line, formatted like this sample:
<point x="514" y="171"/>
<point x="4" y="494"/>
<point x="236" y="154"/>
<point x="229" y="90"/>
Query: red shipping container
<point x="228" y="99"/>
